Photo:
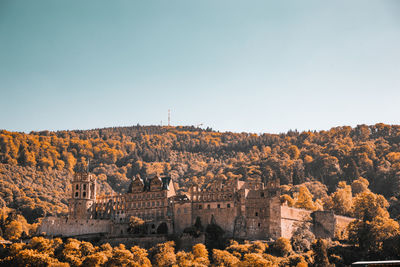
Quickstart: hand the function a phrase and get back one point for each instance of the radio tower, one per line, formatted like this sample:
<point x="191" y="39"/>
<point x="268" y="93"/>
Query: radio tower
<point x="169" y="117"/>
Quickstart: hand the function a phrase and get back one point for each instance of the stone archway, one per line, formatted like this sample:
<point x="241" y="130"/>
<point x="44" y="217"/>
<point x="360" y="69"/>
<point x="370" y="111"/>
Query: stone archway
<point x="162" y="229"/>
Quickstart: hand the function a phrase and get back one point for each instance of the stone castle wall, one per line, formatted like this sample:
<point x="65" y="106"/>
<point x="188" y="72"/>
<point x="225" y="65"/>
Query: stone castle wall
<point x="291" y="218"/>
<point x="222" y="213"/>
<point x="52" y="226"/>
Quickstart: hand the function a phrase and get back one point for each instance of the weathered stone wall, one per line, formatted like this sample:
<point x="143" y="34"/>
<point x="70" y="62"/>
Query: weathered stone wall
<point x="290" y="217"/>
<point x="182" y="216"/>
<point x="275" y="215"/>
<point x="52" y="226"/>
<point x="324" y="224"/>
<point x="328" y="225"/>
<point x="223" y="212"/>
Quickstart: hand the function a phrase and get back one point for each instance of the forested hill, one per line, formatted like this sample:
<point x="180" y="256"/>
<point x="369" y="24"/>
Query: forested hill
<point x="35" y="167"/>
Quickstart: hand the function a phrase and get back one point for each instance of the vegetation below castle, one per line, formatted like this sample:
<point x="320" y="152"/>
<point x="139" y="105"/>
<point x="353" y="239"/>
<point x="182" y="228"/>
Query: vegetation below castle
<point x="43" y="252"/>
<point x="352" y="171"/>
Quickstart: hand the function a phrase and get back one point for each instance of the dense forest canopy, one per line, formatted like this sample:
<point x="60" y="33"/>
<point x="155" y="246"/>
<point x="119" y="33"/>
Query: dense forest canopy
<point x="36" y="167"/>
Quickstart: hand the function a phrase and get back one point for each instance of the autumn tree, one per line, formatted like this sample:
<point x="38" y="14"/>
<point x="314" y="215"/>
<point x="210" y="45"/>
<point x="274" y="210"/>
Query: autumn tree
<point x="373" y="224"/>
<point x="164" y="254"/>
<point x="282" y="247"/>
<point x="341" y="201"/>
<point x="304" y="199"/>
<point x="224" y="258"/>
<point x="320" y="253"/>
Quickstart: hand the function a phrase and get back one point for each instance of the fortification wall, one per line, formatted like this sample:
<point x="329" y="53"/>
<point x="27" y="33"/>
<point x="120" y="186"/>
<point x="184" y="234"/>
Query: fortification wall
<point x="224" y="214"/>
<point x="290" y="218"/>
<point x="324" y="224"/>
<point x="329" y="225"/>
<point x="52" y="226"/>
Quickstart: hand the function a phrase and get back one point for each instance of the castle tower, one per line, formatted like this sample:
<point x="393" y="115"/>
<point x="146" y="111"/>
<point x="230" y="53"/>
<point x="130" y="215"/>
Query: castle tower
<point x="83" y="196"/>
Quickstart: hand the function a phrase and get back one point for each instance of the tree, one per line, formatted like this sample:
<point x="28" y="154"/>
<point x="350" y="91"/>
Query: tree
<point x="140" y="256"/>
<point x="282" y="246"/>
<point x="96" y="259"/>
<point x="360" y="185"/>
<point x="256" y="260"/>
<point x="373" y="224"/>
<point x="200" y="254"/>
<point x="341" y="201"/>
<point x="13" y="230"/>
<point x="320" y="253"/>
<point x="136" y="225"/>
<point x="120" y="257"/>
<point x="164" y="254"/>
<point x="304" y="199"/>
<point x="302" y="237"/>
<point x="224" y="258"/>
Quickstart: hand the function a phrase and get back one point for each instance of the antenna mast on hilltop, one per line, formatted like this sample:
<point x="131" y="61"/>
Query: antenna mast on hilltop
<point x="169" y="117"/>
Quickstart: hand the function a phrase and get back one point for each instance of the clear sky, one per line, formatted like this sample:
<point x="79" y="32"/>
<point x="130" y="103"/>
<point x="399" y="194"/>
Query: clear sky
<point x="255" y="66"/>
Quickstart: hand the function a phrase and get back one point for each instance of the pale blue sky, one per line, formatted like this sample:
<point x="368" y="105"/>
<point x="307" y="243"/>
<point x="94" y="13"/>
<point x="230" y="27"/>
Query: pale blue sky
<point x="256" y="66"/>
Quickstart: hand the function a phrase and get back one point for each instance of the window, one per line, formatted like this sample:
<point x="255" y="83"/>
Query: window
<point x="228" y="206"/>
<point x="84" y="194"/>
<point x="76" y="194"/>
<point x="256" y="213"/>
<point x="208" y="206"/>
<point x="259" y="225"/>
<point x="262" y="194"/>
<point x="84" y="187"/>
<point x="152" y="203"/>
<point x="200" y="207"/>
<point x="219" y="206"/>
<point x="77" y="187"/>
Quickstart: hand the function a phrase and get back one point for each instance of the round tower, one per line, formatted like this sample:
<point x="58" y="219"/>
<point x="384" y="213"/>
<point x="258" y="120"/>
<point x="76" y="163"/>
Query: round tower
<point x="83" y="196"/>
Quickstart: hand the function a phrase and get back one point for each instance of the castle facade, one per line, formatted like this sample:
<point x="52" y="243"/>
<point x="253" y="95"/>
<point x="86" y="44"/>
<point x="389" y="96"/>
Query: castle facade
<point x="248" y="210"/>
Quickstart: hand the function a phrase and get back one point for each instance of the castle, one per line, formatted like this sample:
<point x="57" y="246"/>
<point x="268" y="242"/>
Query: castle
<point x="248" y="210"/>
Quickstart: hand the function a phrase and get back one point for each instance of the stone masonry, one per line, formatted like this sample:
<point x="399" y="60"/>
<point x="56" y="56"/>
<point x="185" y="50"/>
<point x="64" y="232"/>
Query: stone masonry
<point x="247" y="210"/>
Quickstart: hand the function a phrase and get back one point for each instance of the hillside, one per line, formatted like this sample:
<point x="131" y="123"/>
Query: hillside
<point x="35" y="167"/>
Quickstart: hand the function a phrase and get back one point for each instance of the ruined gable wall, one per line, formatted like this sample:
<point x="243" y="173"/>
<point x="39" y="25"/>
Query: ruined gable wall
<point x="52" y="226"/>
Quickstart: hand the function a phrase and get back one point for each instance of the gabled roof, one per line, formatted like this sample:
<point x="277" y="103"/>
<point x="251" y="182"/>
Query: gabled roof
<point x="147" y="182"/>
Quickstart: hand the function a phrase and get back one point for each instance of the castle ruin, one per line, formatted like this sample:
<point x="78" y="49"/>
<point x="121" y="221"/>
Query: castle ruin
<point x="246" y="210"/>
